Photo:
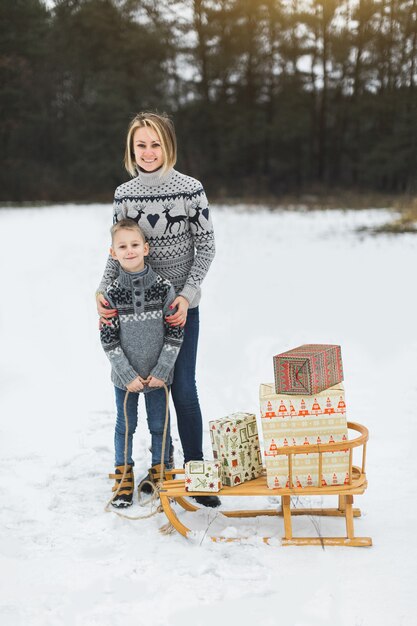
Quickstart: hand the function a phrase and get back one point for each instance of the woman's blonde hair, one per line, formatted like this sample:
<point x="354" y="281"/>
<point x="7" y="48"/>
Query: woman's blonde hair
<point x="165" y="130"/>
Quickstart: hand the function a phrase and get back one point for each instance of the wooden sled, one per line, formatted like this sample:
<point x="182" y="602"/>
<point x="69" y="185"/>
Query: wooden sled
<point x="173" y="490"/>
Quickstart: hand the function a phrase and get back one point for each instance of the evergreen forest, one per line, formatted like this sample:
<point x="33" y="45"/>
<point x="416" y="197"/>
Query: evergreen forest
<point x="269" y="97"/>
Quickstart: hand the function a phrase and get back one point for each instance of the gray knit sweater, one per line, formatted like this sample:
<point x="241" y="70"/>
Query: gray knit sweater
<point x="139" y="341"/>
<point x="173" y="212"/>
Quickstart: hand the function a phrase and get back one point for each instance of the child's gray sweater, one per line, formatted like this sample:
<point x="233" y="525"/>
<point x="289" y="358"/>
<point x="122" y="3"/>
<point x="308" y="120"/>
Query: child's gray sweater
<point x="139" y="340"/>
<point x="173" y="212"/>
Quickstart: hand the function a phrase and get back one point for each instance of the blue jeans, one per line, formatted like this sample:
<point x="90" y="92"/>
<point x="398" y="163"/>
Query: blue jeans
<point x="184" y="391"/>
<point x="155" y="409"/>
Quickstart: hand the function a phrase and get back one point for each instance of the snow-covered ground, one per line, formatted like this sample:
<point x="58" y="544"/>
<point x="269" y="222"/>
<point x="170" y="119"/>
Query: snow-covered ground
<point x="279" y="279"/>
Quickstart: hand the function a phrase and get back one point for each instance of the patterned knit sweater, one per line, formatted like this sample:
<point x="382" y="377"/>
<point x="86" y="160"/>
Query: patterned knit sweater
<point x="139" y="340"/>
<point x="173" y="212"/>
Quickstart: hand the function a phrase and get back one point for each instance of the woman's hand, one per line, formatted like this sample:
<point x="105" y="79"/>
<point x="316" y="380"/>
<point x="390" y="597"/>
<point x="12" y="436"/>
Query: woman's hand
<point x="103" y="310"/>
<point x="136" y="385"/>
<point x="180" y="317"/>
<point x="155" y="382"/>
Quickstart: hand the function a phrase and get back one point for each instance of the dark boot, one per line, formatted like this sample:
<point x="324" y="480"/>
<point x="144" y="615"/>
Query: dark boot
<point x="125" y="496"/>
<point x="211" y="501"/>
<point x="144" y="485"/>
<point x="149" y="483"/>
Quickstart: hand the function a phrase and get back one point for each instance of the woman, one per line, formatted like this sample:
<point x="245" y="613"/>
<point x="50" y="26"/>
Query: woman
<point x="172" y="210"/>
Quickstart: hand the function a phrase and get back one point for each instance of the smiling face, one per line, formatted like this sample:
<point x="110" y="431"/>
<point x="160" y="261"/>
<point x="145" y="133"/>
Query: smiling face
<point x="147" y="148"/>
<point x="129" y="248"/>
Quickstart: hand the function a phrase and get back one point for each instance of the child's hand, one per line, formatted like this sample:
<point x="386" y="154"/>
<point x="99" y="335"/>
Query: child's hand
<point x="155" y="382"/>
<point x="135" y="385"/>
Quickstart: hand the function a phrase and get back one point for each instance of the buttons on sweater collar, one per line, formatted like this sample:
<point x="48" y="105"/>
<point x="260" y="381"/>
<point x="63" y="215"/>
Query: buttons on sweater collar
<point x="137" y="280"/>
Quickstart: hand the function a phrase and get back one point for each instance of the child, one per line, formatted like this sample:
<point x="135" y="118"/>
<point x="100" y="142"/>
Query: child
<point x="141" y="346"/>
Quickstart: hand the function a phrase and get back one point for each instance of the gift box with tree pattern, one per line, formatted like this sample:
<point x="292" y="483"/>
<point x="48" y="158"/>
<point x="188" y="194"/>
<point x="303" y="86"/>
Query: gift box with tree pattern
<point x="236" y="447"/>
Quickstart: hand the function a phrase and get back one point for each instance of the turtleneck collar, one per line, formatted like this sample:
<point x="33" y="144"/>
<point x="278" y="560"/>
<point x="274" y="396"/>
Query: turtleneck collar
<point x="144" y="278"/>
<point x="154" y="179"/>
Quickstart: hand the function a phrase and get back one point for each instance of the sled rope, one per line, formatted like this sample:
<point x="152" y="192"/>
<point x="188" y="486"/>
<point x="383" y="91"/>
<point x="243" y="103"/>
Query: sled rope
<point x="155" y="488"/>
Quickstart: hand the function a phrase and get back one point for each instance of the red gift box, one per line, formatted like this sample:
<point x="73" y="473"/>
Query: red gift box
<point x="308" y="369"/>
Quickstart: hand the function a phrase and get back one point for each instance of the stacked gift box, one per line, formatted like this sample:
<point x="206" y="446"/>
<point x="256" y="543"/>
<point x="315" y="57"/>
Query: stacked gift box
<point x="306" y="406"/>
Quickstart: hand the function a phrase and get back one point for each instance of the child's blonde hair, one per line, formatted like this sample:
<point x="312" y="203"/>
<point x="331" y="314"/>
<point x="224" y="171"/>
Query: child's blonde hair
<point x="164" y="127"/>
<point x="126" y="224"/>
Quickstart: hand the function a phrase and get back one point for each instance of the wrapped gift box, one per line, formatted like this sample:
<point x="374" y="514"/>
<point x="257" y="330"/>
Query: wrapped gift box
<point x="308" y="369"/>
<point x="202" y="476"/>
<point x="293" y="420"/>
<point x="236" y="446"/>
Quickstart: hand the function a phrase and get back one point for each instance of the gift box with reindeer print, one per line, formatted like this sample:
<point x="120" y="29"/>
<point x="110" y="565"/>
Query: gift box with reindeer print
<point x="236" y="447"/>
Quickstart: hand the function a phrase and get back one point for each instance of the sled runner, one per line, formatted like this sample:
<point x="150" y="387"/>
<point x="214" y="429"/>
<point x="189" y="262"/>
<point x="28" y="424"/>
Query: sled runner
<point x="173" y="491"/>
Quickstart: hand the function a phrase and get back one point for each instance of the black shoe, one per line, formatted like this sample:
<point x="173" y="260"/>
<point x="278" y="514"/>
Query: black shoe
<point x="211" y="501"/>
